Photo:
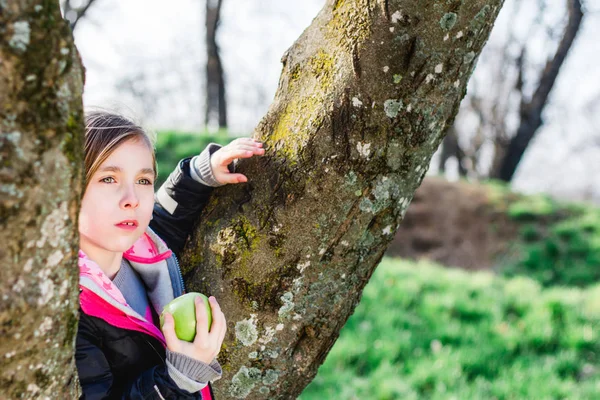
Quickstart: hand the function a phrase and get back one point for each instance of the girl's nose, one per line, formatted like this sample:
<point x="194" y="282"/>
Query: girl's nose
<point x="129" y="199"/>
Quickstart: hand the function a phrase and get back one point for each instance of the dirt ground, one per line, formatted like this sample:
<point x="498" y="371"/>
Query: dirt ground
<point x="455" y="224"/>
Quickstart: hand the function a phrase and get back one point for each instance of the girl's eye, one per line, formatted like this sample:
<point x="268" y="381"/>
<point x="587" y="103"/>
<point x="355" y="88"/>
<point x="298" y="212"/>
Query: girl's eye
<point x="108" y="179"/>
<point x="145" y="181"/>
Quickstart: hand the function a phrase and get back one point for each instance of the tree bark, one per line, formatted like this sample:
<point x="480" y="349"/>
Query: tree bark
<point x="531" y="111"/>
<point x="365" y="95"/>
<point x="216" y="102"/>
<point x="41" y="131"/>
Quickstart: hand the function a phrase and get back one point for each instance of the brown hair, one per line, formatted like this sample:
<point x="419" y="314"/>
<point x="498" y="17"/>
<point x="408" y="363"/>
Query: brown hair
<point x="104" y="132"/>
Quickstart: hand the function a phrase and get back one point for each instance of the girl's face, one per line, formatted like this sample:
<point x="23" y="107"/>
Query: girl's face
<point x="117" y="205"/>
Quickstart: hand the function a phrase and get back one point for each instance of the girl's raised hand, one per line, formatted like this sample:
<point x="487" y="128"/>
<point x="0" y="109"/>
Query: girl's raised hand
<point x="206" y="345"/>
<point x="238" y="148"/>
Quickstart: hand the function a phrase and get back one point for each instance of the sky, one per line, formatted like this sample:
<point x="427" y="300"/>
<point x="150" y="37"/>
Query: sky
<point x="146" y="58"/>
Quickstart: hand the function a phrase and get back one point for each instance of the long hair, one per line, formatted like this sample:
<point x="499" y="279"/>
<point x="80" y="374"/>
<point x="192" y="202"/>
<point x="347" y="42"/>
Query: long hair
<point x="104" y="132"/>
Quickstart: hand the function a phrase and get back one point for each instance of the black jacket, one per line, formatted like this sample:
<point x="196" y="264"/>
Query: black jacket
<point x="116" y="363"/>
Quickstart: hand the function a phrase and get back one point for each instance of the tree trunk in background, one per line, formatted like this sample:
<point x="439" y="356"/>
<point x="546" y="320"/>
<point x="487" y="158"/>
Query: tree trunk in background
<point x="41" y="142"/>
<point x="363" y="100"/>
<point x="216" y="104"/>
<point x="531" y="111"/>
<point x="451" y="148"/>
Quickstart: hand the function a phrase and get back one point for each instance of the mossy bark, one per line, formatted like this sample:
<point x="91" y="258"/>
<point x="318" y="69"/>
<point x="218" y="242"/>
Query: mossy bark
<point x="41" y="131"/>
<point x="363" y="100"/>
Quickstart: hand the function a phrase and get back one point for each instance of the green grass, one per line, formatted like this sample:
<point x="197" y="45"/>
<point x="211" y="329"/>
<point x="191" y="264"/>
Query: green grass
<point x="425" y="332"/>
<point x="173" y="146"/>
<point x="558" y="244"/>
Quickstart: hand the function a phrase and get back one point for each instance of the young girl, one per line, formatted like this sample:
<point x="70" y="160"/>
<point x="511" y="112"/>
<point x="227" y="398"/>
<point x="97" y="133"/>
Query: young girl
<point x="129" y="238"/>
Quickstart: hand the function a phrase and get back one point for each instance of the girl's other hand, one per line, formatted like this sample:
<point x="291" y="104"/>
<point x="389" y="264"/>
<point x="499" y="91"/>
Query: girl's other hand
<point x="206" y="344"/>
<point x="238" y="148"/>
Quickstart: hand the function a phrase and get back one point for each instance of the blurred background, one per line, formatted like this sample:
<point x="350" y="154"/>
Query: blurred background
<point x="490" y="288"/>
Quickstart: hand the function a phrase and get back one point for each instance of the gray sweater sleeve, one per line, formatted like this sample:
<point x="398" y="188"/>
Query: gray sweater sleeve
<point x="201" y="170"/>
<point x="190" y="374"/>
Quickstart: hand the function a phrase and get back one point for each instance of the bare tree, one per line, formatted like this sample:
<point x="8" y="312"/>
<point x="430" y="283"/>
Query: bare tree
<point x="530" y="111"/>
<point x="451" y="148"/>
<point x="41" y="139"/>
<point x="487" y="114"/>
<point x="216" y="101"/>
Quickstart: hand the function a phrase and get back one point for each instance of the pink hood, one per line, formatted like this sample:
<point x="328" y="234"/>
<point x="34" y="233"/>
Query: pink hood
<point x="100" y="298"/>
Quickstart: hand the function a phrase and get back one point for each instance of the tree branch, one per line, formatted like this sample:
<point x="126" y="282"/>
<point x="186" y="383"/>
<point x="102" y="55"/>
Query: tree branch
<point x="531" y="112"/>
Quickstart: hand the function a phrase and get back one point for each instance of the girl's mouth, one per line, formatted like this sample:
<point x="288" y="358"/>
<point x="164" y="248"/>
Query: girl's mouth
<point x="128" y="225"/>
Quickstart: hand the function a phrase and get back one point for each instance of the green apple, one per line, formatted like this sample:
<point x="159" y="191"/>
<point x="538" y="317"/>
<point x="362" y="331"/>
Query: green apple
<point x="183" y="311"/>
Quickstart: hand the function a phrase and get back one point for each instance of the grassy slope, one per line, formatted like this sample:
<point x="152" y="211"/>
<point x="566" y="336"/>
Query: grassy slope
<point x="558" y="242"/>
<point x="426" y="332"/>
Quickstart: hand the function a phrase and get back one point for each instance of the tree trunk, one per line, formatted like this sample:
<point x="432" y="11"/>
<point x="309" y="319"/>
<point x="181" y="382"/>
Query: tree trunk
<point x="363" y="100"/>
<point x="216" y="104"/>
<point x="41" y="141"/>
<point x="531" y="111"/>
<point x="451" y="148"/>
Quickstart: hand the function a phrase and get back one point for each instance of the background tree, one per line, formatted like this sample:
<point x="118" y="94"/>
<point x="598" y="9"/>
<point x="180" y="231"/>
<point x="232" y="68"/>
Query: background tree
<point x="364" y="98"/>
<point x="216" y="102"/>
<point x="505" y="109"/>
<point x="41" y="120"/>
<point x="530" y="110"/>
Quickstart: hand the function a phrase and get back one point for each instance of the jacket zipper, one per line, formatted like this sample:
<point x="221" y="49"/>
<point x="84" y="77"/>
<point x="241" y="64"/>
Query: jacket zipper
<point x="180" y="275"/>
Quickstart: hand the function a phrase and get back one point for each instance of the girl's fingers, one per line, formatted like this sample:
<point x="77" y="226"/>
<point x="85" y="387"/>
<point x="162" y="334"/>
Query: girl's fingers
<point x="168" y="330"/>
<point x="214" y="304"/>
<point x="220" y="330"/>
<point x="201" y="321"/>
<point x="232" y="154"/>
<point x="231" y="178"/>
<point x="254" y="149"/>
<point x="223" y="330"/>
<point x="217" y="316"/>
<point x="240" y="148"/>
<point x="247" y="140"/>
